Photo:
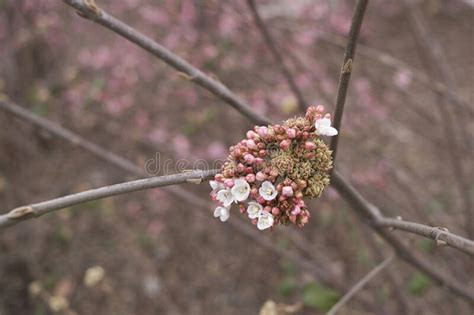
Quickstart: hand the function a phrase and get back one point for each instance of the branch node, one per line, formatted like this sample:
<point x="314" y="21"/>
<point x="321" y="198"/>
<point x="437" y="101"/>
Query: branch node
<point x="185" y="76"/>
<point x="439" y="242"/>
<point x="91" y="12"/>
<point x="20" y="212"/>
<point x="347" y="68"/>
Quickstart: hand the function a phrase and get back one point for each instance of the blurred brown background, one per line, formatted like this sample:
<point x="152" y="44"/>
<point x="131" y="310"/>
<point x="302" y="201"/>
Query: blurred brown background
<point x="160" y="254"/>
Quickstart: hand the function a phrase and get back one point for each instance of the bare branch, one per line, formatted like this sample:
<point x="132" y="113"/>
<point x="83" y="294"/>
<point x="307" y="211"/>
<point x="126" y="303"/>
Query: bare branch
<point x="435" y="55"/>
<point x="38" y="209"/>
<point x="192" y="73"/>
<point x="371" y="213"/>
<point x="391" y="61"/>
<point x="272" y="46"/>
<point x="360" y="284"/>
<point x="346" y="71"/>
<point x="186" y="195"/>
<point x="441" y="235"/>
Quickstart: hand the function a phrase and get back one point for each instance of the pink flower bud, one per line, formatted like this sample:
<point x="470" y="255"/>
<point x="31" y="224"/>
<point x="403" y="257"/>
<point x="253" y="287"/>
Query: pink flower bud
<point x="267" y="209"/>
<point x="242" y="208"/>
<point x="250" y="178"/>
<point x="320" y="108"/>
<point x="240" y="168"/>
<point x="285" y="144"/>
<point x="299" y="194"/>
<point x="262" y="132"/>
<point x="260" y="200"/>
<point x="309" y="145"/>
<point x="261" y="145"/>
<point x="254" y="221"/>
<point x="259" y="161"/>
<point x="291" y="133"/>
<point x="274" y="173"/>
<point x="254" y="192"/>
<point x="287" y="191"/>
<point x="251" y="134"/>
<point x="249" y="158"/>
<point x="293" y="219"/>
<point x="262" y="153"/>
<point x="219" y="177"/>
<point x="304" y="220"/>
<point x="261" y="176"/>
<point x="229" y="183"/>
<point x="275" y="211"/>
<point x="296" y="210"/>
<point x="251" y="144"/>
<point x="309" y="156"/>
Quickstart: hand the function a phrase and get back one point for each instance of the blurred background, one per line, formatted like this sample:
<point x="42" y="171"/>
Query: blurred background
<point x="154" y="253"/>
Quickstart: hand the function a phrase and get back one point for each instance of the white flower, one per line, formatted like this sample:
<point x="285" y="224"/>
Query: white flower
<point x="267" y="191"/>
<point x="265" y="220"/>
<point x="215" y="185"/>
<point x="241" y="189"/>
<point x="225" y="197"/>
<point x="222" y="213"/>
<point x="323" y="127"/>
<point x="254" y="209"/>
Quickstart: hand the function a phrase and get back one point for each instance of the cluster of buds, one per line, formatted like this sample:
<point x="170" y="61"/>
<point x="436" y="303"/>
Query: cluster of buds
<point x="270" y="172"/>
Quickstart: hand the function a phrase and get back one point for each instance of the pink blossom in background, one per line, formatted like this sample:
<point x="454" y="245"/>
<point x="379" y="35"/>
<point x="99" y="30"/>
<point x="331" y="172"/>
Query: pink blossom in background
<point x="181" y="146"/>
<point x="216" y="150"/>
<point x="133" y="208"/>
<point x="154" y="15"/>
<point x="402" y="78"/>
<point x="227" y="25"/>
<point x="142" y="120"/>
<point x="116" y="105"/>
<point x="155" y="227"/>
<point x="158" y="135"/>
<point x="367" y="99"/>
<point x="303" y="80"/>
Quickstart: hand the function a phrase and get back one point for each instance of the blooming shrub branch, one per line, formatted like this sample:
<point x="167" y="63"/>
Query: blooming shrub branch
<point x="269" y="173"/>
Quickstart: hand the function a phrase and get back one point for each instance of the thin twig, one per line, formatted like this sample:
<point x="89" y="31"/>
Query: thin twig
<point x="192" y="73"/>
<point x="441" y="235"/>
<point x="188" y="196"/>
<point x="38" y="209"/>
<point x="393" y="62"/>
<point x="433" y="51"/>
<point x="346" y="71"/>
<point x="360" y="284"/>
<point x="272" y="46"/>
<point x="371" y="213"/>
<point x="349" y="193"/>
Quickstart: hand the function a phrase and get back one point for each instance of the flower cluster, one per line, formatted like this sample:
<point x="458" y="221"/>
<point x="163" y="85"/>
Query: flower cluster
<point x="270" y="172"/>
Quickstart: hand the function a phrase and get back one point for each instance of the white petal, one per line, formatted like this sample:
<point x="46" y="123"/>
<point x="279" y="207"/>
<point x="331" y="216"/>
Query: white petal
<point x="225" y="213"/>
<point x="265" y="220"/>
<point x="331" y="131"/>
<point x="213" y="184"/>
<point x="241" y="190"/>
<point x="225" y="197"/>
<point x="217" y="212"/>
<point x="254" y="209"/>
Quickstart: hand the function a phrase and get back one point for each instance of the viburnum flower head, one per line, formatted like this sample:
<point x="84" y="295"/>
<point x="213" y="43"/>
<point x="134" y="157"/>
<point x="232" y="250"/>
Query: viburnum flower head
<point x="270" y="172"/>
